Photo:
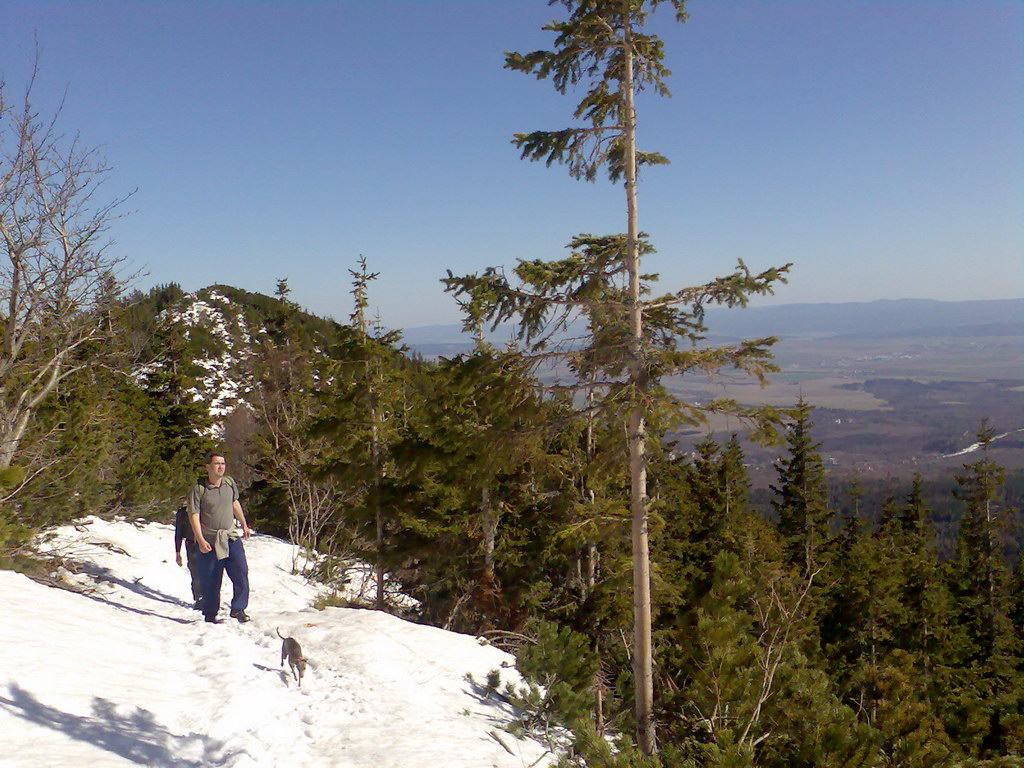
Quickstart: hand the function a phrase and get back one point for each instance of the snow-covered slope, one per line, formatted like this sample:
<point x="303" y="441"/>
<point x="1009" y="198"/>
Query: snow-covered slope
<point x="224" y="384"/>
<point x="128" y="674"/>
<point x="225" y="375"/>
<point x="220" y="345"/>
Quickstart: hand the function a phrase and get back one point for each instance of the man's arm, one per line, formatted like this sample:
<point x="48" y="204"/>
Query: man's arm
<point x="236" y="508"/>
<point x="193" y="519"/>
<point x="201" y="542"/>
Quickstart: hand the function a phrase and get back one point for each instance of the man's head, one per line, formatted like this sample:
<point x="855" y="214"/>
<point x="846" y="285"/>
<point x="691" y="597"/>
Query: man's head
<point x="215" y="466"/>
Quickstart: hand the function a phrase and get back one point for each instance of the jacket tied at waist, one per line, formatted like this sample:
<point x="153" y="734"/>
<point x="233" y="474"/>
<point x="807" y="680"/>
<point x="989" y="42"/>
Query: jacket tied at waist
<point x="220" y="538"/>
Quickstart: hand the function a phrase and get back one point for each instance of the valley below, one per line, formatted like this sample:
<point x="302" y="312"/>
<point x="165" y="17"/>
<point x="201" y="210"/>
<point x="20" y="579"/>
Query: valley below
<point x="899" y="387"/>
<point x="890" y="405"/>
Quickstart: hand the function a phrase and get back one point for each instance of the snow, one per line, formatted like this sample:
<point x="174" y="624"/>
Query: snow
<point x="978" y="446"/>
<point x="226" y="384"/>
<point x="127" y="674"/>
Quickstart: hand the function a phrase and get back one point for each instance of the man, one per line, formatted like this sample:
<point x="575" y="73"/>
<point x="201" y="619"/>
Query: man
<point x="183" y="534"/>
<point x="213" y="508"/>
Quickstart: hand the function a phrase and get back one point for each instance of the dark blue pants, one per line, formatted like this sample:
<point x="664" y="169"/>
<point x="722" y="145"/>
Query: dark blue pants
<point x="211" y="572"/>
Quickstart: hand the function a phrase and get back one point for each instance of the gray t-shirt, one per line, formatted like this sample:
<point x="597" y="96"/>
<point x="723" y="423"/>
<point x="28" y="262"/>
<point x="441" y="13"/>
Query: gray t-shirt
<point x="214" y="505"/>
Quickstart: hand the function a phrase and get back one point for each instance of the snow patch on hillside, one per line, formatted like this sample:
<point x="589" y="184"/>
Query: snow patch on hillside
<point x="125" y="673"/>
<point x="973" y="447"/>
<point x="224" y="387"/>
<point x="226" y="380"/>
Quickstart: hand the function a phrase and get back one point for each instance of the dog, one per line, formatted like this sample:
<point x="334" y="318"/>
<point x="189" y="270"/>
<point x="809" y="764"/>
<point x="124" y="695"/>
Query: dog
<point x="291" y="650"/>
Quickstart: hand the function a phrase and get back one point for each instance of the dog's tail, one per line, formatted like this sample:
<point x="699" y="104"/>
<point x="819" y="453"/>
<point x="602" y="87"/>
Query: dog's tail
<point x="278" y="630"/>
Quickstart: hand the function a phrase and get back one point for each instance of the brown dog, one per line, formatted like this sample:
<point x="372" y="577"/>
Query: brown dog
<point x="291" y="650"/>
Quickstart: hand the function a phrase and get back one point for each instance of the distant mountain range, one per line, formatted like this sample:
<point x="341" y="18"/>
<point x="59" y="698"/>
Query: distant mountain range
<point x="925" y="317"/>
<point x="921" y="316"/>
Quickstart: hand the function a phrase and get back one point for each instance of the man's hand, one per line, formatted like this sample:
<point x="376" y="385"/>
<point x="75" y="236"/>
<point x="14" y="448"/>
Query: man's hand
<point x="177" y="557"/>
<point x="204" y="546"/>
<point x="246" y="533"/>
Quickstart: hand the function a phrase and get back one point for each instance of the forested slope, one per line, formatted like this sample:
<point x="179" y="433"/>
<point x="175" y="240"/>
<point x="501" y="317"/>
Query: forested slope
<point x="817" y="634"/>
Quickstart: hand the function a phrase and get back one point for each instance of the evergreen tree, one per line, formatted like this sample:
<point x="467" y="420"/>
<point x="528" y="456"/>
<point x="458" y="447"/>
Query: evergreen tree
<point x="363" y="416"/>
<point x="702" y="501"/>
<point x="559" y="668"/>
<point x="172" y="380"/>
<point x="603" y="46"/>
<point x="801" y="496"/>
<point x="98" y="446"/>
<point x="989" y="690"/>
<point x="478" y="430"/>
<point x="1017" y="601"/>
<point x="884" y="631"/>
<point x="980" y="567"/>
<point x="752" y="695"/>
<point x="922" y="628"/>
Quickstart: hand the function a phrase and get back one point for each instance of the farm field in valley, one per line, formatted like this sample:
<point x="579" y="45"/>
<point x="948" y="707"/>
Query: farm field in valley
<point x="890" y="405"/>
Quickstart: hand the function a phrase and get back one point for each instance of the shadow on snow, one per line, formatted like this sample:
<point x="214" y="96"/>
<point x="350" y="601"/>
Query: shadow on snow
<point x="135" y="735"/>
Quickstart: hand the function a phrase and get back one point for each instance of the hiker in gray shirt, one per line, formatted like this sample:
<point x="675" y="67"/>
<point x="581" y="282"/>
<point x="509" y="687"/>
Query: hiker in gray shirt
<point x="213" y="508"/>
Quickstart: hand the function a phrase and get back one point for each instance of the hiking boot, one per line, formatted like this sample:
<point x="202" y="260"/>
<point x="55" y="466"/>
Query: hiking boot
<point x="211" y="620"/>
<point x="240" y="616"/>
<point x="198" y="604"/>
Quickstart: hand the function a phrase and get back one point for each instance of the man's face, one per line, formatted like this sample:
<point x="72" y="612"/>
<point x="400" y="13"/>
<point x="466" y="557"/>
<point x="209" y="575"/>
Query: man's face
<point x="217" y="466"/>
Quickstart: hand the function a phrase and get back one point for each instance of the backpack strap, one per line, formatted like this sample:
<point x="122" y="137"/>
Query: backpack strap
<point x="227" y="479"/>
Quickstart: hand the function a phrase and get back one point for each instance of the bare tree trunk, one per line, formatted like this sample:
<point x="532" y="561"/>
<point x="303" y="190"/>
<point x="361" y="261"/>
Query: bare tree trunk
<point x="376" y="420"/>
<point x="589" y="575"/>
<point x="592" y="554"/>
<point x="8" y="445"/>
<point x="379" y="601"/>
<point x="57" y="277"/>
<point x="643" y="662"/>
<point x="592" y="560"/>
<point x="489" y="527"/>
<point x="991" y="548"/>
<point x="378" y="512"/>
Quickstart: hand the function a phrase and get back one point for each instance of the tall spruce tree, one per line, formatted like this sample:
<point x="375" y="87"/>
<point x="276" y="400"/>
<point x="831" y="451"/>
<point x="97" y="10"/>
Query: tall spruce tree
<point x="483" y="425"/>
<point x="172" y="380"/>
<point x="1017" y="602"/>
<point x="702" y="499"/>
<point x="982" y="573"/>
<point x="990" y="685"/>
<point x="909" y="609"/>
<point x="377" y="393"/>
<point x="877" y="671"/>
<point x="603" y="46"/>
<point x="365" y="403"/>
<point x="801" y="495"/>
<point x="921" y="629"/>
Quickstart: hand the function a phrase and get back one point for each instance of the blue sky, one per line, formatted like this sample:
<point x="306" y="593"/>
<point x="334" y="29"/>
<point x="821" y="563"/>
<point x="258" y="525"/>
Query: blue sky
<point x="877" y="144"/>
